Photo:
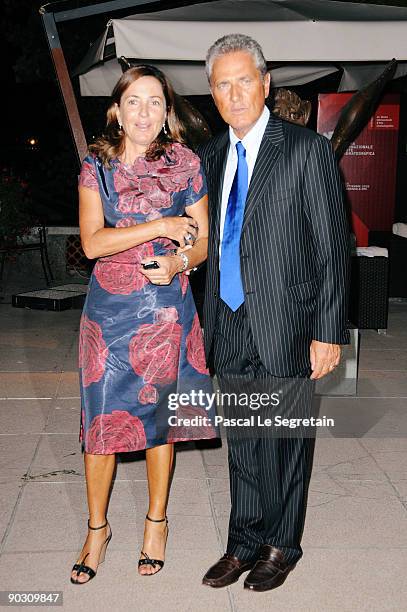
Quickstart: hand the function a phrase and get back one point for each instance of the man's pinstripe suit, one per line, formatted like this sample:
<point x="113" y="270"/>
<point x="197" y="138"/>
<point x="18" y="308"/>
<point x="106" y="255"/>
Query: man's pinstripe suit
<point x="294" y="263"/>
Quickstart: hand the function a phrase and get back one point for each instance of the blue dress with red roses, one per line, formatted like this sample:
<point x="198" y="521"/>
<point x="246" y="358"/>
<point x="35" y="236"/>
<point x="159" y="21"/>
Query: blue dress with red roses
<point x="140" y="344"/>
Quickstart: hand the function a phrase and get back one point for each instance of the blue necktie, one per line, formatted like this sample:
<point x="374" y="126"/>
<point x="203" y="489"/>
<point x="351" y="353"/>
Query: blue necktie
<point x="231" y="288"/>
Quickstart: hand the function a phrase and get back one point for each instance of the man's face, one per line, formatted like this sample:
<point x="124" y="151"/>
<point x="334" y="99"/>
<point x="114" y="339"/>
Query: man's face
<point x="239" y="90"/>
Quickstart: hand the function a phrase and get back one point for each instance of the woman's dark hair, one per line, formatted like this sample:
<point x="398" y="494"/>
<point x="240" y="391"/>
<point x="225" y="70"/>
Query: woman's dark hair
<point x="185" y="124"/>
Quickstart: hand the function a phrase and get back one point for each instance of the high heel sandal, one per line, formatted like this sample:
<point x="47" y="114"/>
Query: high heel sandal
<point x="85" y="569"/>
<point x="147" y="560"/>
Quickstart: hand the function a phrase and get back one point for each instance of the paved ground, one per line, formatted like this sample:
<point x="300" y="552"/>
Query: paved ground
<point x="355" y="540"/>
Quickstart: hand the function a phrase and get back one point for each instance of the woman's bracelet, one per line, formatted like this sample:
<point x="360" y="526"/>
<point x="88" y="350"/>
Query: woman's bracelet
<point x="185" y="261"/>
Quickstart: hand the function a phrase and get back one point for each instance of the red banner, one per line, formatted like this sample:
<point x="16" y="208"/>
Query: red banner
<point x="369" y="165"/>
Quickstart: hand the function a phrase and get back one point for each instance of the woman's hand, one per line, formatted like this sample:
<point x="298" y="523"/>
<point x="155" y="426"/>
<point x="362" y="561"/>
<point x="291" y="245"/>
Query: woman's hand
<point x="170" y="265"/>
<point x="181" y="229"/>
<point x="176" y="228"/>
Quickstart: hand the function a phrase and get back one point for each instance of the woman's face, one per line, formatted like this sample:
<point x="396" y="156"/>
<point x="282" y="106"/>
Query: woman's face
<point x="142" y="111"/>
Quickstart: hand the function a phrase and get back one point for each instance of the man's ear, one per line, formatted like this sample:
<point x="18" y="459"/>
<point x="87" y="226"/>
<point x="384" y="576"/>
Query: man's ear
<point x="267" y="81"/>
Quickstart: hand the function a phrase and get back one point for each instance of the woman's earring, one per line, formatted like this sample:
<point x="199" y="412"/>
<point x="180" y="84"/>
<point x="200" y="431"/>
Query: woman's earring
<point x="120" y="125"/>
<point x="165" y="129"/>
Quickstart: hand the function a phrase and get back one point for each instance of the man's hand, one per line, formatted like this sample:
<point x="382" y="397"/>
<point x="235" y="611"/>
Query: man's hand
<point x="324" y="358"/>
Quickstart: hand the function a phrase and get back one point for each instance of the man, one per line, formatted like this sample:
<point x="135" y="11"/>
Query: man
<point x="275" y="301"/>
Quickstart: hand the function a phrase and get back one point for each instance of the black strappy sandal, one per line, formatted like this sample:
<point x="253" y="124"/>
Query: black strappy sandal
<point x="147" y="560"/>
<point x="85" y="569"/>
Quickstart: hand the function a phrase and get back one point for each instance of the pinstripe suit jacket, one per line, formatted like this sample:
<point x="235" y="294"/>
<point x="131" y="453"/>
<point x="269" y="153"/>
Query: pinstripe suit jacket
<point x="294" y="248"/>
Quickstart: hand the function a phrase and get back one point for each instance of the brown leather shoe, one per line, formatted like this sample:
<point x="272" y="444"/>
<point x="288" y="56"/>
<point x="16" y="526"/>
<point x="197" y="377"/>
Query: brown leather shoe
<point x="270" y="570"/>
<point x="226" y="571"/>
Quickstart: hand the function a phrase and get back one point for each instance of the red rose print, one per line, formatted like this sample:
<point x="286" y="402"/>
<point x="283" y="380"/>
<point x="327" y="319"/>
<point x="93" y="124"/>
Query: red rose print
<point x="87" y="176"/>
<point x="143" y="196"/>
<point x="174" y="183"/>
<point x="154" y="214"/>
<point x="166" y="315"/>
<point x="126" y="222"/>
<point x="120" y="273"/>
<point x="147" y="186"/>
<point x="154" y="349"/>
<point x="133" y="255"/>
<point x="125" y="181"/>
<point x="128" y="203"/>
<point x="148" y="395"/>
<point x="92" y="351"/>
<point x="182" y="432"/>
<point x="165" y="245"/>
<point x="197" y="183"/>
<point x="184" y="165"/>
<point x="119" y="278"/>
<point x="157" y="196"/>
<point x="118" y="432"/>
<point x="144" y="205"/>
<point x="184" y="282"/>
<point x="195" y="347"/>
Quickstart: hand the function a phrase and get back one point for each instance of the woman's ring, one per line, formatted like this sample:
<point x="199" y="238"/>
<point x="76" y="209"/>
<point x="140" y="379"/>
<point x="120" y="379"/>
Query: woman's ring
<point x="188" y="237"/>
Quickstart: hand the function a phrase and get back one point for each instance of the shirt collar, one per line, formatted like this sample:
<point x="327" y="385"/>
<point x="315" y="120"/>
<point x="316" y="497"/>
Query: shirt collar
<point x="252" y="140"/>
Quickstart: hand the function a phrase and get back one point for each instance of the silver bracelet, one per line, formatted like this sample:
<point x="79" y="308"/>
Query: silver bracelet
<point x="185" y="262"/>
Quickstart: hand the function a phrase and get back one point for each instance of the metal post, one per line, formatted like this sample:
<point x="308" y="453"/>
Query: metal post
<point x="52" y="13"/>
<point x="65" y="84"/>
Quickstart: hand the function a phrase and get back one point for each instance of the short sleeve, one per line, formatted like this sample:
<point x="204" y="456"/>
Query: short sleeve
<point x="197" y="188"/>
<point x="87" y="176"/>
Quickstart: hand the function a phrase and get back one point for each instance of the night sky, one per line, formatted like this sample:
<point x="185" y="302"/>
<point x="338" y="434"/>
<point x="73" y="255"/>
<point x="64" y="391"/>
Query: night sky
<point x="34" y="107"/>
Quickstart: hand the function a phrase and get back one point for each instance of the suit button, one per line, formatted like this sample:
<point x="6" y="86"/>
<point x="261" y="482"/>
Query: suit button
<point x="215" y="293"/>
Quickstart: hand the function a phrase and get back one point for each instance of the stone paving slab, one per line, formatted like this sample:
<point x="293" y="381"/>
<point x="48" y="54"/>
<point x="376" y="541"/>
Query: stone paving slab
<point x="372" y="359"/>
<point x="118" y="587"/>
<point x="16" y="456"/>
<point x="335" y="580"/>
<point x="355" y="542"/>
<point x="382" y="384"/>
<point x="24" y="416"/>
<point x="64" y="417"/>
<point x="69" y="384"/>
<point x="30" y="385"/>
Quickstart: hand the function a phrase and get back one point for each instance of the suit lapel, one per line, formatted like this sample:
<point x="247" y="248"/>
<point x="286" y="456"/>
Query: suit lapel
<point x="217" y="164"/>
<point x="269" y="154"/>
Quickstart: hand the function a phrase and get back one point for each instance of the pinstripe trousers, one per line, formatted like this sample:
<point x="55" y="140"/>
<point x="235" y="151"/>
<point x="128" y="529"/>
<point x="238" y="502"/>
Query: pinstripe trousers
<point x="269" y="476"/>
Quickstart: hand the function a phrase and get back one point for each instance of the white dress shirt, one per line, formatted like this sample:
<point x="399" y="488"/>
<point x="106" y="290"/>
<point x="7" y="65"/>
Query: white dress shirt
<point x="251" y="143"/>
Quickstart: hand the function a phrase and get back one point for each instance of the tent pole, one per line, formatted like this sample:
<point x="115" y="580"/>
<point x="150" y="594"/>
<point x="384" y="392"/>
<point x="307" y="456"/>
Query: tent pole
<point x="65" y="84"/>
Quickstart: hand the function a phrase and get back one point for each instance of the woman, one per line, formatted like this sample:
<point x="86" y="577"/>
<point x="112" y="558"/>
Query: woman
<point x="140" y="338"/>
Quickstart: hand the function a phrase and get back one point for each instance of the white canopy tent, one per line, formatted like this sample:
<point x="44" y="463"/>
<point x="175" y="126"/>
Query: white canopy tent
<point x="315" y="38"/>
<point x="191" y="79"/>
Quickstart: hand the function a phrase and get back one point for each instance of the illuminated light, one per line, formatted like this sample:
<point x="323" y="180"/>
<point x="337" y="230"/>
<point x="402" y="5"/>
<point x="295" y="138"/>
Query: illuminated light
<point x="32" y="141"/>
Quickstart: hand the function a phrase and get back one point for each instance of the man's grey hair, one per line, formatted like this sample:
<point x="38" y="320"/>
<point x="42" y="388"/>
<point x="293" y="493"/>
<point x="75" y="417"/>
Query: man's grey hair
<point x="235" y="42"/>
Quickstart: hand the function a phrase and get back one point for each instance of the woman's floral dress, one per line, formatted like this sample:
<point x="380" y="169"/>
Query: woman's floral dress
<point x="141" y="343"/>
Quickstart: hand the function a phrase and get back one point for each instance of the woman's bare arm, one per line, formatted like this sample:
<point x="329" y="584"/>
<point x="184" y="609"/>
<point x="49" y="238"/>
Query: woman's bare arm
<point x="100" y="241"/>
<point x="171" y="265"/>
